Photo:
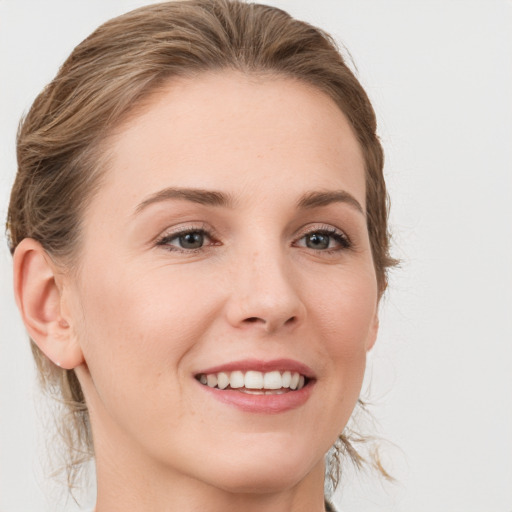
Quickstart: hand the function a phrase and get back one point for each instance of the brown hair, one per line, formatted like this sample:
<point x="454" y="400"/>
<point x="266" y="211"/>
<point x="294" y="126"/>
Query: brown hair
<point x="59" y="145"/>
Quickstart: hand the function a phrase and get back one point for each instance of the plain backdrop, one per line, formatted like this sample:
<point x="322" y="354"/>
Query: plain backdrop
<point x="439" y="73"/>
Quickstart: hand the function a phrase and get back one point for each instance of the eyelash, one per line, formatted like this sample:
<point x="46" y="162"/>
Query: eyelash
<point x="341" y="238"/>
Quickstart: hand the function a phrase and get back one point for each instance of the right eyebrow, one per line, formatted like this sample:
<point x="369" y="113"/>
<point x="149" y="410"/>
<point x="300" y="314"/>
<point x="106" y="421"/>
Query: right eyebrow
<point x="324" y="198"/>
<point x="195" y="195"/>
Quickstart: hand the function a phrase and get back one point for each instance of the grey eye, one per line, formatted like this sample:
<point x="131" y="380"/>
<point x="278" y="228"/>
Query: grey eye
<point x="193" y="240"/>
<point x="317" y="241"/>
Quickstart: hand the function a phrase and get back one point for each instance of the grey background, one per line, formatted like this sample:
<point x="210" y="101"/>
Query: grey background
<point x="439" y="73"/>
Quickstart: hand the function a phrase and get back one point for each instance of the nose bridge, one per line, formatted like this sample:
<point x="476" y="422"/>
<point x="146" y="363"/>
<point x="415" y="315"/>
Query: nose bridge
<point x="264" y="291"/>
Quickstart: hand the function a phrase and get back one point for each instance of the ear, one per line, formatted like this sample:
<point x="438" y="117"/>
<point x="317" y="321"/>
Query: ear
<point x="38" y="293"/>
<point x="373" y="331"/>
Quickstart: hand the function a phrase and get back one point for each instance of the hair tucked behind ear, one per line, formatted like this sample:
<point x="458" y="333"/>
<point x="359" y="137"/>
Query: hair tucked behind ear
<point x="59" y="145"/>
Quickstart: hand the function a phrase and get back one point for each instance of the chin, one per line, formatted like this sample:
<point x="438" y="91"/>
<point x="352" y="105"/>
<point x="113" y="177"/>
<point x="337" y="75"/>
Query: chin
<point x="266" y="474"/>
<point x="255" y="481"/>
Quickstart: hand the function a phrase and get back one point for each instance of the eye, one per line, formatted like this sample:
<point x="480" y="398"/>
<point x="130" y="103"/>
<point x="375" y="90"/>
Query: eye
<point x="193" y="240"/>
<point x="325" y="239"/>
<point x="318" y="241"/>
<point x="187" y="240"/>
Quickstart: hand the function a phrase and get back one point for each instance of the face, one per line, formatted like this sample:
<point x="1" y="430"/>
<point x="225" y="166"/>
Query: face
<point x="226" y="294"/>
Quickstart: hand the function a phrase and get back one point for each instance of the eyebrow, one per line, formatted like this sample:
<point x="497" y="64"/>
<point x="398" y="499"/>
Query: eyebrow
<point x="195" y="195"/>
<point x="215" y="198"/>
<point x="317" y="199"/>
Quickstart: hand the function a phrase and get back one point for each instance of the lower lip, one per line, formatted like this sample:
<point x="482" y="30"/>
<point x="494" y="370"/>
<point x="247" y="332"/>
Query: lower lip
<point x="263" y="404"/>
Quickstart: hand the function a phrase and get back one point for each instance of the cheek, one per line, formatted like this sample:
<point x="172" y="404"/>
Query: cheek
<point x="347" y="310"/>
<point x="134" y="337"/>
<point x="346" y="314"/>
<point x="132" y="329"/>
<point x="141" y="326"/>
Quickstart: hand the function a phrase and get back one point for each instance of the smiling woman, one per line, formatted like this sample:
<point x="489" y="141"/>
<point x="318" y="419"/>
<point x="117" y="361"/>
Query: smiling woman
<point x="200" y="244"/>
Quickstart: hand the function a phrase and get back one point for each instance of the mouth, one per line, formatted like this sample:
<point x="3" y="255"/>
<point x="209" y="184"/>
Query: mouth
<point x="256" y="386"/>
<point x="253" y="382"/>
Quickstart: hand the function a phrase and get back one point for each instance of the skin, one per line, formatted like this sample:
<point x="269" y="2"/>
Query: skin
<point x="138" y="319"/>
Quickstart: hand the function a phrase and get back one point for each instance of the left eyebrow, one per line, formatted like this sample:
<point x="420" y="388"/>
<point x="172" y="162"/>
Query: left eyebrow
<point x="194" y="195"/>
<point x="316" y="199"/>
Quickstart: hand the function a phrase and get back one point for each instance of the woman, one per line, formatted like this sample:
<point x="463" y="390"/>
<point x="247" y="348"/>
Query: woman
<point x="199" y="231"/>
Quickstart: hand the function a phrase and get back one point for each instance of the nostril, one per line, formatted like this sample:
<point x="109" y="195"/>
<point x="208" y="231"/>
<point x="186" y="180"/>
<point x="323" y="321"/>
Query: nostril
<point x="256" y="319"/>
<point x="290" y="320"/>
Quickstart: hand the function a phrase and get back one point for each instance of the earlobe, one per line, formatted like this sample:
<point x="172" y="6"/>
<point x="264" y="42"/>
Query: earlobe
<point x="39" y="299"/>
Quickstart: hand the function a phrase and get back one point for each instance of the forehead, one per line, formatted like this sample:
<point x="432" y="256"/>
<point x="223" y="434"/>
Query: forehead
<point x="235" y="132"/>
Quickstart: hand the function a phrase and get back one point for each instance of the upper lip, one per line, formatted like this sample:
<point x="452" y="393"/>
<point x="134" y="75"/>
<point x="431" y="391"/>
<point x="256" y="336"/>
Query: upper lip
<point x="261" y="366"/>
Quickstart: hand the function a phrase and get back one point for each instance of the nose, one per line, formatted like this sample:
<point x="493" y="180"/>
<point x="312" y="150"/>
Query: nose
<point x="265" y="294"/>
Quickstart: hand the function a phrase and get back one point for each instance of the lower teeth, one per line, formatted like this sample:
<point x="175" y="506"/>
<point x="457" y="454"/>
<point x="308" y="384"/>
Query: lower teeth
<point x="263" y="391"/>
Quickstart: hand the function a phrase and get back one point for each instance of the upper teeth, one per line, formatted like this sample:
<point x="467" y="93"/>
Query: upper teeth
<point x="253" y="380"/>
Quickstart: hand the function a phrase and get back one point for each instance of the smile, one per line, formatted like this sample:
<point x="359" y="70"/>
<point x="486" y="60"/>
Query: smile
<point x="259" y="386"/>
<point x="255" y="382"/>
